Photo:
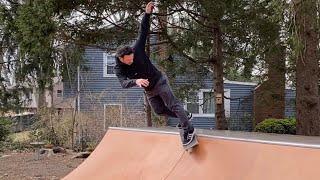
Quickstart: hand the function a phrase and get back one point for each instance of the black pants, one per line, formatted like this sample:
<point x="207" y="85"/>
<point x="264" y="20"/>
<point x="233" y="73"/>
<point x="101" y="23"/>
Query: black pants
<point x="163" y="102"/>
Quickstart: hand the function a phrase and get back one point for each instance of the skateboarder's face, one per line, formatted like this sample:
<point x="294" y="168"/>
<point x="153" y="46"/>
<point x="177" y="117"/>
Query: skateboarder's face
<point x="127" y="59"/>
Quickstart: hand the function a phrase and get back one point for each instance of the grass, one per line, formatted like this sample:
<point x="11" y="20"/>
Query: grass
<point x="21" y="136"/>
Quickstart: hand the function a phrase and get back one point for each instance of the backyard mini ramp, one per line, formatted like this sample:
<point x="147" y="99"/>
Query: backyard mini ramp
<point x="152" y="154"/>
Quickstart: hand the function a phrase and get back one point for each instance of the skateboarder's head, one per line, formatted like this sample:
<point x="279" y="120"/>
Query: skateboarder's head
<point x="125" y="55"/>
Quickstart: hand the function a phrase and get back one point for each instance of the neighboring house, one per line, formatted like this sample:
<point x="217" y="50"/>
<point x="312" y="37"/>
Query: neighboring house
<point x="52" y="99"/>
<point x="238" y="105"/>
<point x="103" y="99"/>
<point x="23" y="119"/>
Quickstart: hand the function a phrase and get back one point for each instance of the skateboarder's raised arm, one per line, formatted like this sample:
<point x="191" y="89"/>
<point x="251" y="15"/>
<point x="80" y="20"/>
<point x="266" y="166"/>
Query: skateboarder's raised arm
<point x="144" y="28"/>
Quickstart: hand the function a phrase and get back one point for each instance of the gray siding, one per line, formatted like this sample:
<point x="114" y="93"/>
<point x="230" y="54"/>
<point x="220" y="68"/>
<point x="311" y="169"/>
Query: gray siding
<point x="290" y="103"/>
<point x="96" y="90"/>
<point x="240" y="108"/>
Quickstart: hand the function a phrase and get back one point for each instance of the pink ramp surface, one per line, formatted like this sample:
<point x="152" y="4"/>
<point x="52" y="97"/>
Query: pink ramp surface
<point x="130" y="154"/>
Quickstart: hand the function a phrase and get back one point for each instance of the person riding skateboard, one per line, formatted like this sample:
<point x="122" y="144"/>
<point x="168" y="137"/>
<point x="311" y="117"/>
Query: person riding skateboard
<point x="134" y="68"/>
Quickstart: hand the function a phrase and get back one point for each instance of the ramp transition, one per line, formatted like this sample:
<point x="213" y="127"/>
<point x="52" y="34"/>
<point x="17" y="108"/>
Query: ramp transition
<point x="157" y="154"/>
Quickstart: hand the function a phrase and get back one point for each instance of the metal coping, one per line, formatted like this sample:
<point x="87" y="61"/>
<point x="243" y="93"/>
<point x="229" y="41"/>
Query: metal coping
<point x="282" y="143"/>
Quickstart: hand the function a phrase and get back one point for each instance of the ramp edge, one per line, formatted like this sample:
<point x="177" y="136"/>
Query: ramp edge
<point x="251" y="140"/>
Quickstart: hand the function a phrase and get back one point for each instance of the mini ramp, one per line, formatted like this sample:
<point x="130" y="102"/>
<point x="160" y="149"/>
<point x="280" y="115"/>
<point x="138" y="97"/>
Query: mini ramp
<point x="151" y="154"/>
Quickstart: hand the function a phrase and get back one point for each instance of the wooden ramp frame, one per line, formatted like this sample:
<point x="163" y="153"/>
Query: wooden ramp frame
<point x="154" y="154"/>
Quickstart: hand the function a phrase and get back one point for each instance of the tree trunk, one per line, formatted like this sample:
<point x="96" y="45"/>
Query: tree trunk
<point x="41" y="99"/>
<point x="1" y="65"/>
<point x="307" y="98"/>
<point x="276" y="79"/>
<point x="269" y="97"/>
<point x="221" y="122"/>
<point x="148" y="110"/>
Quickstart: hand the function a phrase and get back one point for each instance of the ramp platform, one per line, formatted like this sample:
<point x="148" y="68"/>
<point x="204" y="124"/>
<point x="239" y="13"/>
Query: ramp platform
<point x="152" y="154"/>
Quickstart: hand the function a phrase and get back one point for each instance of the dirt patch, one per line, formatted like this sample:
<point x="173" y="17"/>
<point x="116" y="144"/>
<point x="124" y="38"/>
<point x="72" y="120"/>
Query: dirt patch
<point x="17" y="166"/>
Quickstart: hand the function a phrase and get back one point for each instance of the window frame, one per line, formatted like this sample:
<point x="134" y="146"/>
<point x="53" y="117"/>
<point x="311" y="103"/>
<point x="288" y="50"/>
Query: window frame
<point x="200" y="94"/>
<point x="105" y="64"/>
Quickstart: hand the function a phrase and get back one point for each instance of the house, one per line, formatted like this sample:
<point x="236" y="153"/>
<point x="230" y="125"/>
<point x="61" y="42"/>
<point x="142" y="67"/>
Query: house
<point x="25" y="117"/>
<point x="53" y="98"/>
<point x="105" y="103"/>
<point x="238" y="105"/>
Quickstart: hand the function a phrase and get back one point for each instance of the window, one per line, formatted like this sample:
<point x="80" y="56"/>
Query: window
<point x="208" y="103"/>
<point x="109" y="61"/>
<point x="193" y="103"/>
<point x="59" y="93"/>
<point x="202" y="103"/>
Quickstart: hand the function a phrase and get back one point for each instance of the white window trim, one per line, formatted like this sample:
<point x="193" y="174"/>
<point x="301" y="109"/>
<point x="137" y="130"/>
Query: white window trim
<point x="104" y="114"/>
<point x="105" y="55"/>
<point x="227" y="102"/>
<point x="240" y="82"/>
<point x="200" y="96"/>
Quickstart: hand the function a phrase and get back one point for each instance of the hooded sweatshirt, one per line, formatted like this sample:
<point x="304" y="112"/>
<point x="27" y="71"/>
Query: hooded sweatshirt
<point x="141" y="68"/>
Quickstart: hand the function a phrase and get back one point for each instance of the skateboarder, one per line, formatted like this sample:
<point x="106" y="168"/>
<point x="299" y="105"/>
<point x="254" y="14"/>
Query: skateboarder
<point x="134" y="68"/>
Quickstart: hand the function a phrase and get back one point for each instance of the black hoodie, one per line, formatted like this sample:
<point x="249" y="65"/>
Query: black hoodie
<point x="141" y="68"/>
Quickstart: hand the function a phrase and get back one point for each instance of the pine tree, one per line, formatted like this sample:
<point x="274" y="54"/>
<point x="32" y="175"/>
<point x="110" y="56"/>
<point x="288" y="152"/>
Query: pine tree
<point x="307" y="65"/>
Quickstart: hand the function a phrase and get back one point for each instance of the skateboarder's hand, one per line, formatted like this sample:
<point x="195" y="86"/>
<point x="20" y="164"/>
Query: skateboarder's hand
<point x="149" y="7"/>
<point x="142" y="82"/>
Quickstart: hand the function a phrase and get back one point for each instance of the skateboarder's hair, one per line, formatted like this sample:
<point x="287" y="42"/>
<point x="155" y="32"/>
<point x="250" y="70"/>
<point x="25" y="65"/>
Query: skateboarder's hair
<point x="125" y="50"/>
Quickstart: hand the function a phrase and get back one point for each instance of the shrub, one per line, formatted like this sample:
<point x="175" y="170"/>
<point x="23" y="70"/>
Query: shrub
<point x="5" y="125"/>
<point x="279" y="126"/>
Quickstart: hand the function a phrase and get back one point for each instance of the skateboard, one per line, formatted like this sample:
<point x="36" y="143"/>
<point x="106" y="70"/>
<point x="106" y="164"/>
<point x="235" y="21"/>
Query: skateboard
<point x="189" y="148"/>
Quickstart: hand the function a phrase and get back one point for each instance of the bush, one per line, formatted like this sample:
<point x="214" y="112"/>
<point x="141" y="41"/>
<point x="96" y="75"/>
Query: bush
<point x="52" y="128"/>
<point x="279" y="126"/>
<point x="5" y="125"/>
<point x="10" y="145"/>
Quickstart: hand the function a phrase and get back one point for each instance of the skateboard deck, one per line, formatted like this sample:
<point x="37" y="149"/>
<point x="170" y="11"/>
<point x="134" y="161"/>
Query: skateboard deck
<point x="191" y="145"/>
